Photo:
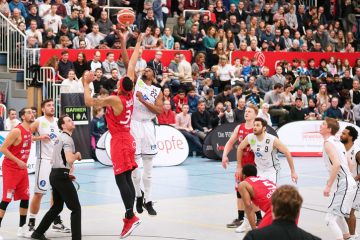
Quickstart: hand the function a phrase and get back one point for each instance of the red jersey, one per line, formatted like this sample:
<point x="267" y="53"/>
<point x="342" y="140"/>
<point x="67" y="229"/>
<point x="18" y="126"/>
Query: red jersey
<point x="120" y="123"/>
<point x="248" y="154"/>
<point x="21" y="151"/>
<point x="263" y="190"/>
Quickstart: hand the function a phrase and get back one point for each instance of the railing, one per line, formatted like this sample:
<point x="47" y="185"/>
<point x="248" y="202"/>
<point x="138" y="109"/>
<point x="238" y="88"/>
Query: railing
<point x="3" y="34"/>
<point x="16" y="46"/>
<point x="308" y="3"/>
<point x="32" y="57"/>
<point x="50" y="88"/>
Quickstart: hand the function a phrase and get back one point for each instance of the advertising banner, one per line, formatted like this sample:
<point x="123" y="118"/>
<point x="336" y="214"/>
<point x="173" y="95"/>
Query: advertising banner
<point x="172" y="146"/>
<point x="32" y="158"/>
<point x="208" y="149"/>
<point x="78" y="114"/>
<point x="303" y="138"/>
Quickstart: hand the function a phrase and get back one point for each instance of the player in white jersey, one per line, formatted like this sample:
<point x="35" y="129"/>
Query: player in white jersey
<point x="340" y="180"/>
<point x="265" y="148"/>
<point x="348" y="137"/>
<point x="48" y="132"/>
<point x="148" y="102"/>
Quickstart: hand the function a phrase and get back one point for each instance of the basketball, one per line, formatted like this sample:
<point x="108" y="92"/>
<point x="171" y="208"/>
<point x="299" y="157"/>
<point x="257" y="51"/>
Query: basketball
<point x="126" y="16"/>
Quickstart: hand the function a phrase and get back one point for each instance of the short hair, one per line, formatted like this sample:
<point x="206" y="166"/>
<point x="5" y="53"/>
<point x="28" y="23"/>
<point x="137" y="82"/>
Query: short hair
<point x="11" y="109"/>
<point x="181" y="91"/>
<point x="127" y="84"/>
<point x="227" y="88"/>
<point x="249" y="170"/>
<point x="108" y="53"/>
<point x="64" y="52"/>
<point x="22" y="112"/>
<point x="286" y="202"/>
<point x="278" y="85"/>
<point x="43" y="103"/>
<point x="61" y="121"/>
<point x="263" y="121"/>
<point x="352" y="132"/>
<point x="333" y="124"/>
<point x="254" y="107"/>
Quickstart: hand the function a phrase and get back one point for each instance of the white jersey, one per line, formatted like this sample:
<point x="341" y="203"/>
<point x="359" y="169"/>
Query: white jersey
<point x="52" y="130"/>
<point x="344" y="171"/>
<point x="264" y="151"/>
<point x="150" y="94"/>
<point x="351" y="154"/>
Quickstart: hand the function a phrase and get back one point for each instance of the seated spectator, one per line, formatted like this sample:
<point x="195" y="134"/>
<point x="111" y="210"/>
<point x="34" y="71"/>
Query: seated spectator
<point x="347" y="113"/>
<point x="111" y="83"/>
<point x="200" y="120"/>
<point x="278" y="77"/>
<point x="225" y="96"/>
<point x="253" y="97"/>
<point x="229" y="113"/>
<point x="356" y="111"/>
<point x="334" y="111"/>
<point x="61" y="9"/>
<point x="167" y="95"/>
<point x="34" y="32"/>
<point x="34" y="16"/>
<point x="17" y="4"/>
<point x="95" y="62"/>
<point x="174" y="73"/>
<point x="347" y="79"/>
<point x="98" y="126"/>
<point x="299" y="94"/>
<point x="140" y="64"/>
<point x="273" y="98"/>
<point x="217" y="117"/>
<point x="131" y="42"/>
<point x="148" y="21"/>
<point x="210" y="41"/>
<point x="264" y="114"/>
<point x="16" y="17"/>
<point x="209" y="100"/>
<point x="95" y="36"/>
<point x="80" y="65"/>
<point x="355" y="93"/>
<point x="64" y="65"/>
<point x="237" y="93"/>
<point x="168" y="39"/>
<point x="183" y="124"/>
<point x="194" y="39"/>
<point x="239" y="111"/>
<point x="149" y="41"/>
<point x="11" y="120"/>
<point x="104" y="23"/>
<point x="71" y="84"/>
<point x="297" y="113"/>
<point x="311" y="112"/>
<point x="167" y="116"/>
<point x="72" y="22"/>
<point x="193" y="100"/>
<point x="179" y="32"/>
<point x="179" y="100"/>
<point x="224" y="72"/>
<point x="287" y="98"/>
<point x="109" y="64"/>
<point x="185" y="73"/>
<point x="264" y="82"/>
<point x="99" y="81"/>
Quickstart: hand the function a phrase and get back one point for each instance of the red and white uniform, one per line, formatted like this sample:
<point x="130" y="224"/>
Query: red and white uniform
<point x="122" y="145"/>
<point x="248" y="154"/>
<point x="16" y="180"/>
<point x="263" y="190"/>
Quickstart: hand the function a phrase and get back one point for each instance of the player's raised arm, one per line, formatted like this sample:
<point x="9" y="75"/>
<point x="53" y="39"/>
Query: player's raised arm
<point x="10" y="139"/>
<point x="99" y="102"/>
<point x="228" y="147"/>
<point x="282" y="148"/>
<point x="123" y="38"/>
<point x="239" y="155"/>
<point x="335" y="166"/>
<point x="134" y="57"/>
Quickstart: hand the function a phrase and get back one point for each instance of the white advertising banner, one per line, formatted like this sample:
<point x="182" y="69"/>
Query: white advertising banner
<point x="32" y="158"/>
<point x="172" y="146"/>
<point x="303" y="138"/>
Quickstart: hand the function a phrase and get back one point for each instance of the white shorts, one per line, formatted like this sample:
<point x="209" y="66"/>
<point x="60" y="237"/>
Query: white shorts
<point x="145" y="137"/>
<point x="356" y="203"/>
<point x="343" y="197"/>
<point x="271" y="174"/>
<point x="42" y="173"/>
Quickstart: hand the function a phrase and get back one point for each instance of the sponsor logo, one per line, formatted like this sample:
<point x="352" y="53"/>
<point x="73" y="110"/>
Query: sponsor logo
<point x="42" y="183"/>
<point x="252" y="141"/>
<point x="267" y="140"/>
<point x="260" y="57"/>
<point x="258" y="154"/>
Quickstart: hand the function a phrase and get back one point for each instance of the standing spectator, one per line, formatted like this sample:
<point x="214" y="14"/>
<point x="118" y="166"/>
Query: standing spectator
<point x="334" y="111"/>
<point x="157" y="65"/>
<point x="297" y="113"/>
<point x="264" y="114"/>
<point x="34" y="16"/>
<point x="167" y="116"/>
<point x="264" y="83"/>
<point x="185" y="73"/>
<point x="225" y="96"/>
<point x="157" y="8"/>
<point x="291" y="19"/>
<point x="148" y="21"/>
<point x="11" y="120"/>
<point x="273" y="98"/>
<point x="224" y="73"/>
<point x="53" y="20"/>
<point x="239" y="111"/>
<point x="64" y="65"/>
<point x="105" y="25"/>
<point x="200" y="120"/>
<point x="183" y="124"/>
<point x="355" y="93"/>
<point x="109" y="64"/>
<point x="194" y="39"/>
<point x="168" y="39"/>
<point x="19" y="5"/>
<point x="95" y="36"/>
<point x="179" y="100"/>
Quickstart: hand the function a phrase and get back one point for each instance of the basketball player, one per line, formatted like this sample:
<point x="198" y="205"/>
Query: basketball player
<point x="63" y="189"/>
<point x="240" y="132"/>
<point x="16" y="149"/>
<point x="119" y="107"/>
<point x="148" y="103"/>
<point x="256" y="191"/>
<point x="48" y="132"/>
<point x="340" y="179"/>
<point x="348" y="137"/>
<point x="264" y="146"/>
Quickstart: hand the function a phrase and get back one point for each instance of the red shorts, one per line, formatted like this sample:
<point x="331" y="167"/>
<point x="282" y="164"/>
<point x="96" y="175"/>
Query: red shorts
<point x="15" y="184"/>
<point x="122" y="150"/>
<point x="267" y="220"/>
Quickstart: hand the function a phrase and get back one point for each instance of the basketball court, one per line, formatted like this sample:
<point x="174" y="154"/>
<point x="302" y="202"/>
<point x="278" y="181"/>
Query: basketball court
<point x="194" y="202"/>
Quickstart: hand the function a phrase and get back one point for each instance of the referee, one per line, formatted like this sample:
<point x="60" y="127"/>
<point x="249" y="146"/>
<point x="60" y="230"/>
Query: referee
<point x="63" y="189"/>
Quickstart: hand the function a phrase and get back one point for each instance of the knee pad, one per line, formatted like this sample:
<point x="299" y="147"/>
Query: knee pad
<point x="3" y="205"/>
<point x="238" y="195"/>
<point x="24" y="203"/>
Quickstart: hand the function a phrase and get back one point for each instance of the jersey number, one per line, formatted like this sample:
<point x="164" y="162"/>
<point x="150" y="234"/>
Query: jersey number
<point x="153" y="93"/>
<point x="127" y="117"/>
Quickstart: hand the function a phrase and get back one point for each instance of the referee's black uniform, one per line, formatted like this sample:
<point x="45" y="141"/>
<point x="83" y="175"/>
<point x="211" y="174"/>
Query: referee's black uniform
<point x="63" y="190"/>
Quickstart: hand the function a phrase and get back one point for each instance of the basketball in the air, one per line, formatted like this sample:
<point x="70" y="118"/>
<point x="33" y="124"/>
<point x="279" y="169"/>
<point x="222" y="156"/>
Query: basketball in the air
<point x="126" y="16"/>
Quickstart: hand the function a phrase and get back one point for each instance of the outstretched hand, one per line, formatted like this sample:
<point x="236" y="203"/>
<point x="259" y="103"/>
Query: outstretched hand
<point x="89" y="77"/>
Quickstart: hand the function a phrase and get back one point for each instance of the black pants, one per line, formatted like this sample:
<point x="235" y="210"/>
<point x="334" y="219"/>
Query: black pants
<point x="63" y="191"/>
<point x="127" y="191"/>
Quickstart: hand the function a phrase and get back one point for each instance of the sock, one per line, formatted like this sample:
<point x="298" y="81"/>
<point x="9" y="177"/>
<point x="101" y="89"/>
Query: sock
<point x="22" y="220"/>
<point x="258" y="215"/>
<point x="241" y="215"/>
<point x="57" y="220"/>
<point x="31" y="221"/>
<point x="129" y="213"/>
<point x="1" y="221"/>
<point x="32" y="215"/>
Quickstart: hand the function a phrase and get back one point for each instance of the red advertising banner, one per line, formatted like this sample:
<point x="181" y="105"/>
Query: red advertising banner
<point x="168" y="55"/>
<point x="271" y="59"/>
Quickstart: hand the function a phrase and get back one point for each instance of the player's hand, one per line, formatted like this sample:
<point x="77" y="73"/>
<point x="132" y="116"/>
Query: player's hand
<point x="225" y="162"/>
<point x="327" y="191"/>
<point x="139" y="96"/>
<point x="294" y="177"/>
<point x="238" y="173"/>
<point x="89" y="77"/>
<point x="79" y="156"/>
<point x="21" y="165"/>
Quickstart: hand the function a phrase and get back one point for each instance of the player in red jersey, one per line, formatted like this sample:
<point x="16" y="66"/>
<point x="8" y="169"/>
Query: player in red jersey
<point x="256" y="191"/>
<point x="16" y="148"/>
<point x="119" y="108"/>
<point x="240" y="132"/>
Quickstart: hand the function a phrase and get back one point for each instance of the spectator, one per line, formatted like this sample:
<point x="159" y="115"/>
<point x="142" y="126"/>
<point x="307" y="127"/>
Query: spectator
<point x="264" y="82"/>
<point x="95" y="62"/>
<point x="183" y="124"/>
<point x="81" y="37"/>
<point x="71" y="84"/>
<point x="61" y="9"/>
<point x="179" y="100"/>
<point x="111" y="83"/>
<point x="264" y="114"/>
<point x="140" y="64"/>
<point x="149" y="41"/>
<point x="278" y="77"/>
<point x="199" y="66"/>
<point x="167" y="116"/>
<point x="217" y="117"/>
<point x="194" y="19"/>
<point x="297" y="113"/>
<point x="148" y="21"/>
<point x="167" y="95"/>
<point x="312" y="112"/>
<point x="17" y="4"/>
<point x="157" y="65"/>
<point x="210" y="41"/>
<point x="53" y="20"/>
<point x="109" y="64"/>
<point x="34" y="16"/>
<point x="209" y="100"/>
<point x="321" y="36"/>
<point x="357" y="74"/>
<point x="355" y="93"/>
<point x="80" y="65"/>
<point x="239" y="111"/>
<point x="334" y="111"/>
<point x="99" y="80"/>
<point x="224" y="72"/>
<point x="356" y="111"/>
<point x="185" y="73"/>
<point x="179" y="32"/>
<point x="64" y="65"/>
<point x="287" y="98"/>
<point x="11" y="120"/>
<point x="347" y="113"/>
<point x="16" y="17"/>
<point x="322" y="96"/>
<point x="95" y="36"/>
<point x="225" y="96"/>
<point x="98" y="126"/>
<point x="291" y="19"/>
<point x="232" y="25"/>
<point x="242" y="15"/>
<point x="4" y="8"/>
<point x="194" y="39"/>
<point x="104" y="23"/>
<point x="273" y="98"/>
<point x="300" y="94"/>
<point x="33" y="32"/>
<point x="229" y="113"/>
<point x="193" y="100"/>
<point x="200" y="120"/>
<point x="288" y="41"/>
<point x="168" y="39"/>
<point x="205" y="24"/>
